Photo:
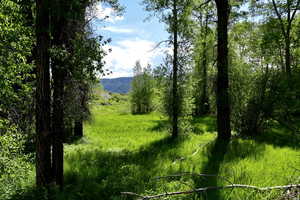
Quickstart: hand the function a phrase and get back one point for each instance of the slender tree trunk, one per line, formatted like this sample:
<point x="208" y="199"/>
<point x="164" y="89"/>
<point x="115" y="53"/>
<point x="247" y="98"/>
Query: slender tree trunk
<point x="223" y="106"/>
<point x="288" y="55"/>
<point x="204" y="102"/>
<point x="78" y="129"/>
<point x="204" y="96"/>
<point x="43" y="140"/>
<point x="286" y="31"/>
<point x="175" y="73"/>
<point x="281" y="55"/>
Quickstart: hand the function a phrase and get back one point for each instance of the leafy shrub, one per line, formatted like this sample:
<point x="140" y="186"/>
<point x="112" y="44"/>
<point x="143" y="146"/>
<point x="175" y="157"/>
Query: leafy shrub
<point x="15" y="168"/>
<point x="142" y="90"/>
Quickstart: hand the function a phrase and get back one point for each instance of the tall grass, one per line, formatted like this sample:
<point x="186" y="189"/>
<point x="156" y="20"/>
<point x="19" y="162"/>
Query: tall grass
<point x="123" y="152"/>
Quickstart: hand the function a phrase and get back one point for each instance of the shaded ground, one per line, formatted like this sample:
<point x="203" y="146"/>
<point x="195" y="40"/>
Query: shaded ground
<point x="280" y="136"/>
<point x="204" y="124"/>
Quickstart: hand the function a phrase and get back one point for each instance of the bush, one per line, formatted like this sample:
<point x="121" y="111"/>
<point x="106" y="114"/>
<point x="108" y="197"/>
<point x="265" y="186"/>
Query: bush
<point x="15" y="168"/>
<point x="142" y="90"/>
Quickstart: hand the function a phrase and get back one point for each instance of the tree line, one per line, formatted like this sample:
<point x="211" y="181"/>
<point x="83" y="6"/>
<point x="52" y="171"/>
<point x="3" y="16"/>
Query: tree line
<point x="235" y="59"/>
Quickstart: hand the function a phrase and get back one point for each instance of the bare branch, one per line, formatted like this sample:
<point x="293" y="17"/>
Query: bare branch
<point x="194" y="174"/>
<point x="158" y="44"/>
<point x="132" y="194"/>
<point x="204" y="189"/>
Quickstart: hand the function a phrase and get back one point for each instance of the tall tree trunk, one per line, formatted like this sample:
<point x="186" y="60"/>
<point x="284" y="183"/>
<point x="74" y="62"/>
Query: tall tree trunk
<point x="223" y="106"/>
<point x="175" y="73"/>
<point x="204" y="97"/>
<point x="204" y="102"/>
<point x="60" y="12"/>
<point x="291" y="12"/>
<point x="43" y="140"/>
<point x="58" y="123"/>
<point x="78" y="129"/>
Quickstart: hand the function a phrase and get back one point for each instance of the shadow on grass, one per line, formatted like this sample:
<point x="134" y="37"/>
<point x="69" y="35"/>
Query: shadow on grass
<point x="204" y="124"/>
<point x="218" y="153"/>
<point x="94" y="174"/>
<point x="279" y="136"/>
<point x="160" y="125"/>
<point x="103" y="175"/>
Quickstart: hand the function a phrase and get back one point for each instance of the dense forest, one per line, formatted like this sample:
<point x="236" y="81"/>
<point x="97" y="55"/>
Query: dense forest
<point x="218" y="118"/>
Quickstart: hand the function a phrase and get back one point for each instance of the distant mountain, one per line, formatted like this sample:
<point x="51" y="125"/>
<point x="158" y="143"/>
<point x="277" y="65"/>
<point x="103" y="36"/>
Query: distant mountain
<point x="117" y="85"/>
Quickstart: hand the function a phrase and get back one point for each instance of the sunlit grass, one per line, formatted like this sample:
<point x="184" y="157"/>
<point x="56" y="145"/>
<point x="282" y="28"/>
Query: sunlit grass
<point x="124" y="152"/>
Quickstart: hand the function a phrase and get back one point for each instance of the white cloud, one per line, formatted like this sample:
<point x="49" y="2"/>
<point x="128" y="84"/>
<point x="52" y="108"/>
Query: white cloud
<point x="118" y="30"/>
<point x="126" y="52"/>
<point x="106" y="13"/>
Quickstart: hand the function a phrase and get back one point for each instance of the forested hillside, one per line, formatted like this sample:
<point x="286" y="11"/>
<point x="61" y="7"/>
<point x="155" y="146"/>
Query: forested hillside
<point x="120" y="85"/>
<point x="212" y="111"/>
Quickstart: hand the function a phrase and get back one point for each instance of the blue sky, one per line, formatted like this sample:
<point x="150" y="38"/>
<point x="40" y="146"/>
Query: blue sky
<point x="133" y="38"/>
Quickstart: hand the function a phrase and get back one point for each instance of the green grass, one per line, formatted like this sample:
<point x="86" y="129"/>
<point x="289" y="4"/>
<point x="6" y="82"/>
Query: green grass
<point x="123" y="152"/>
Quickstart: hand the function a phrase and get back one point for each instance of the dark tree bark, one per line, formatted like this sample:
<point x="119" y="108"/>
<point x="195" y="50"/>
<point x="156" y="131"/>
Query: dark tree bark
<point x="288" y="55"/>
<point x="59" y="16"/>
<point x="175" y="73"/>
<point x="223" y="105"/>
<point x="78" y="129"/>
<point x="43" y="140"/>
<point x="64" y="15"/>
<point x="204" y="98"/>
<point x="58" y="124"/>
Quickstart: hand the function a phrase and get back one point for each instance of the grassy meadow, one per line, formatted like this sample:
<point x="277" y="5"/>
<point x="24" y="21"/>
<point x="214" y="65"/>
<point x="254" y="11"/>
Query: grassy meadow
<point x="122" y="152"/>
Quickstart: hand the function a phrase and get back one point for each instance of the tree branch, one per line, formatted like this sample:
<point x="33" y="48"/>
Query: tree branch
<point x="158" y="44"/>
<point x="295" y="11"/>
<point x="204" y="189"/>
<point x="279" y="17"/>
<point x="193" y="174"/>
<point x="132" y="194"/>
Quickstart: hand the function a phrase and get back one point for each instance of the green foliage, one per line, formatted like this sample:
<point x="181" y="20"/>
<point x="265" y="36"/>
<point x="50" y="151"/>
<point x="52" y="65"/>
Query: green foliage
<point x="16" y="100"/>
<point x="248" y="77"/>
<point x="163" y="10"/>
<point x="16" y="75"/>
<point x="15" y="168"/>
<point x="83" y="62"/>
<point x="87" y="59"/>
<point x="142" y="90"/>
<point x="118" y="98"/>
<point x="203" y="57"/>
<point x="242" y="89"/>
<point x="124" y="152"/>
<point x="283" y="100"/>
<point x="164" y="97"/>
<point x="259" y="88"/>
